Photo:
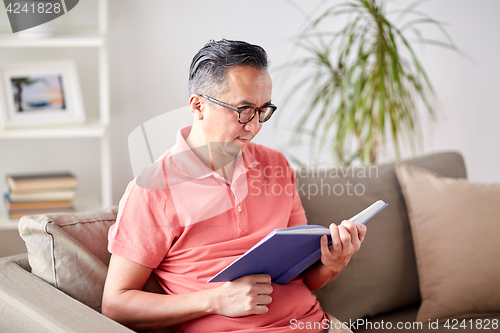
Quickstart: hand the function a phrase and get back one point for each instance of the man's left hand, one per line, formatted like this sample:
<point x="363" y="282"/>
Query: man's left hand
<point x="346" y="240"/>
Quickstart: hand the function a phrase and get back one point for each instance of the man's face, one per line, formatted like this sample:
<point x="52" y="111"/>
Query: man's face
<point x="246" y="86"/>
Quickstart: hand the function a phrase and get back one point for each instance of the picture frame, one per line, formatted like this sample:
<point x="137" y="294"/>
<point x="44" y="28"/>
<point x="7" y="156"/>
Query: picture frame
<point x="40" y="94"/>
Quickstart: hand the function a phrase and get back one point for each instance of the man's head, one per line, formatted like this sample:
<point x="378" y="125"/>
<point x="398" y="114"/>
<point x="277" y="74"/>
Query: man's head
<point x="226" y="77"/>
<point x="209" y="67"/>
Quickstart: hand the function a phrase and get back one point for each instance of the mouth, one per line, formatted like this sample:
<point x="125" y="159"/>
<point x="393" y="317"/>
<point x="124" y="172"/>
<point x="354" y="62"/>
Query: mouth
<point x="244" y="139"/>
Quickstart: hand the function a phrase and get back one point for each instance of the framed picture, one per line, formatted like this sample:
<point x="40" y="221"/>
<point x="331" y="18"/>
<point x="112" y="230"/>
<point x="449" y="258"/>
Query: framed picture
<point x="40" y="94"/>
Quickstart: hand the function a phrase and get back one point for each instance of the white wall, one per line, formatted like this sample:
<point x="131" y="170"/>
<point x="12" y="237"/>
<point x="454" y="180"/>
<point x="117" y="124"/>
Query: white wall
<point x="468" y="90"/>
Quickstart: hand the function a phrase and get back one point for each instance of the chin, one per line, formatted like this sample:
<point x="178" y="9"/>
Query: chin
<point x="234" y="149"/>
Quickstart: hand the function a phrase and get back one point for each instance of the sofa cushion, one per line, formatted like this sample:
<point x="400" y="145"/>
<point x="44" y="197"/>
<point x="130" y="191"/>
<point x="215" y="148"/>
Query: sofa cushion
<point x="69" y="251"/>
<point x="382" y="276"/>
<point x="455" y="226"/>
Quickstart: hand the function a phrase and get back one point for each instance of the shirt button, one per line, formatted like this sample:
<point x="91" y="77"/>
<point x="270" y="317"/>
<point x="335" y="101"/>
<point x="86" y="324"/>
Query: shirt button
<point x="239" y="209"/>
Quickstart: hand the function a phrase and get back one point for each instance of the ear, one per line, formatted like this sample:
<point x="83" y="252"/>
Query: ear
<point x="196" y="106"/>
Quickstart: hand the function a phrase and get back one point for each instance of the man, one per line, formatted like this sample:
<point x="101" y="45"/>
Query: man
<point x="193" y="212"/>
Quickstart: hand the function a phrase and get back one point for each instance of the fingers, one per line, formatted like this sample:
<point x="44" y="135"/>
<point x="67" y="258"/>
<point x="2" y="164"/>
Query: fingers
<point x="336" y="241"/>
<point x="346" y="238"/>
<point x="324" y="246"/>
<point x="247" y="295"/>
<point x="263" y="289"/>
<point x="263" y="300"/>
<point x="260" y="297"/>
<point x="259" y="309"/>
<point x="261" y="278"/>
<point x="361" y="231"/>
<point x="353" y="235"/>
<point x="257" y="284"/>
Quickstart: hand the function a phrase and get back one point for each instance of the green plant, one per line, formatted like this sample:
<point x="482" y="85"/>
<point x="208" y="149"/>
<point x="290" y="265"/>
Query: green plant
<point x="362" y="81"/>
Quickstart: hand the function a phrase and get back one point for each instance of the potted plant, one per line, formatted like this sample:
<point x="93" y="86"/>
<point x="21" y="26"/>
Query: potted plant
<point x="362" y="82"/>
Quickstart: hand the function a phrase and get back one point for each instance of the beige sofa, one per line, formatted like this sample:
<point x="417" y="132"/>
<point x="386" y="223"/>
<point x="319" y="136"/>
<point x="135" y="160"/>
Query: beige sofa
<point x="59" y="288"/>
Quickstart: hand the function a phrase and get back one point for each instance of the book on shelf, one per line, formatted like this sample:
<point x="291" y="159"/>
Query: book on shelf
<point x="18" y="213"/>
<point x="31" y="196"/>
<point x="35" y="204"/>
<point x="41" y="181"/>
<point x="39" y="193"/>
<point x="285" y="253"/>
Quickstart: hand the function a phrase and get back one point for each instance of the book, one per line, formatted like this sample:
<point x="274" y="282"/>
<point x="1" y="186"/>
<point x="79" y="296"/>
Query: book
<point x="35" y="204"/>
<point x="23" y="182"/>
<point x="285" y="253"/>
<point x="18" y="213"/>
<point x="54" y="195"/>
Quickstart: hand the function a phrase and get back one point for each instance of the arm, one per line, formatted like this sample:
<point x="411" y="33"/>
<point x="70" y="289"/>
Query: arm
<point x="346" y="240"/>
<point x="125" y="302"/>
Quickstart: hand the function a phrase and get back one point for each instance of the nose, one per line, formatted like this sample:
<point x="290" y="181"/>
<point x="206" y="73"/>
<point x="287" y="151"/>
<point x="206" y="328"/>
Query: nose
<point x="253" y="125"/>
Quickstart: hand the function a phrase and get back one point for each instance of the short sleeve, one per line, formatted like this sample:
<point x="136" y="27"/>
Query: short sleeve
<point x="142" y="232"/>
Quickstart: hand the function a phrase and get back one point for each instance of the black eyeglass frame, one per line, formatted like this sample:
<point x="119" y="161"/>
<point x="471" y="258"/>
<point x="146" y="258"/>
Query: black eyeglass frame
<point x="243" y="108"/>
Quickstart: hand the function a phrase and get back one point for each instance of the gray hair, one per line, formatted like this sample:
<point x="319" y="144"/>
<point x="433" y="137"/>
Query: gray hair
<point x="207" y="73"/>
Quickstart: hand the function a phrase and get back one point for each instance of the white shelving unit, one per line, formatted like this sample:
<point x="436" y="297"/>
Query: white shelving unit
<point x="94" y="38"/>
<point x="71" y="38"/>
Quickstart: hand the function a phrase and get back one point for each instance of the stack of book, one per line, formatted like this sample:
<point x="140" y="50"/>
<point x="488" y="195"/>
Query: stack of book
<point x="31" y="194"/>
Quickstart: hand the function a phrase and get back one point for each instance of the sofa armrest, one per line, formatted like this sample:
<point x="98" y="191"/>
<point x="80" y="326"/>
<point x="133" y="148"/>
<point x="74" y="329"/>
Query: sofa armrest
<point x="29" y="304"/>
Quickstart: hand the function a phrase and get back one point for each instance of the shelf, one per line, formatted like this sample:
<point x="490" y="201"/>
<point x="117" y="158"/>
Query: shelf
<point x="69" y="36"/>
<point x="92" y="130"/>
<point x="74" y="38"/>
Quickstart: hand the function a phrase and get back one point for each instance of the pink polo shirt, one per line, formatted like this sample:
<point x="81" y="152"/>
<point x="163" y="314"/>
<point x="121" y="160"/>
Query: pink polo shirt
<point x="187" y="222"/>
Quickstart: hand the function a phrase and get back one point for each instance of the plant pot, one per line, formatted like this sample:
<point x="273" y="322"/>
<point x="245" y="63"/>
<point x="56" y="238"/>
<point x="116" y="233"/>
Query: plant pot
<point x="45" y="30"/>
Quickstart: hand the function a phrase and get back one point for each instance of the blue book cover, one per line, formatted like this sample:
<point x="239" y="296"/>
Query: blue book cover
<point x="285" y="253"/>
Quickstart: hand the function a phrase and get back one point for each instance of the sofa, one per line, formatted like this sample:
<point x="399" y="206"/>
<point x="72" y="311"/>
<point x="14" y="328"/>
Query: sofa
<point x="57" y="286"/>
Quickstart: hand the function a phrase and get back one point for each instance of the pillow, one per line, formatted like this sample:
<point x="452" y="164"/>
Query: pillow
<point x="69" y="251"/>
<point x="455" y="227"/>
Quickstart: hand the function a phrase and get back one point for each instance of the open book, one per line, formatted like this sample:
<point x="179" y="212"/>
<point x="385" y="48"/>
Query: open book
<point x="285" y="253"/>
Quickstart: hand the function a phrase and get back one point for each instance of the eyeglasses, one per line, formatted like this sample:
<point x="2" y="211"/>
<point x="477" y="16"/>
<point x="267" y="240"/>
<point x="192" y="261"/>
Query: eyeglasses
<point x="246" y="113"/>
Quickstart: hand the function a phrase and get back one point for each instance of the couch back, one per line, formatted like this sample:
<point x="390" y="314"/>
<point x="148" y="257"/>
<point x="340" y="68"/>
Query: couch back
<point x="382" y="276"/>
<point x="69" y="251"/>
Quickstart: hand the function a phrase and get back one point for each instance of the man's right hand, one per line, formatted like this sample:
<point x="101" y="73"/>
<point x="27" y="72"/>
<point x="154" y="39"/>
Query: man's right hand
<point x="245" y="296"/>
<point x="125" y="301"/>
